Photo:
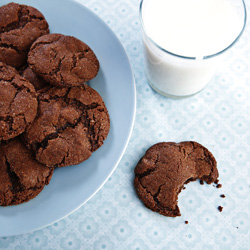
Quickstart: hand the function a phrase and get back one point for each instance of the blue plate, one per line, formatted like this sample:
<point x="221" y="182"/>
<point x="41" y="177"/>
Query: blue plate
<point x="72" y="186"/>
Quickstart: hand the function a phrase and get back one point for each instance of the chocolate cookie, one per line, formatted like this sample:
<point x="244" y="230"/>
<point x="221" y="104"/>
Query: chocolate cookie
<point x="20" y="26"/>
<point x="63" y="60"/>
<point x="162" y="172"/>
<point x="21" y="176"/>
<point x="70" y="125"/>
<point x="30" y="75"/>
<point x="18" y="103"/>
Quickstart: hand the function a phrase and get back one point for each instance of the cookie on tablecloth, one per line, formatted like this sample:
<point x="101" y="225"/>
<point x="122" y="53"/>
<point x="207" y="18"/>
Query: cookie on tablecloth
<point x="164" y="169"/>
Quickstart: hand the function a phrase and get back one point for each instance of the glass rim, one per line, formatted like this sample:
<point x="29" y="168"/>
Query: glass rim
<point x="190" y="57"/>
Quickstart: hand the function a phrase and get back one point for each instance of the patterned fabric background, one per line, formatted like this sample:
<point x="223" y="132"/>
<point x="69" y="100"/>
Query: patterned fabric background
<point x="218" y="117"/>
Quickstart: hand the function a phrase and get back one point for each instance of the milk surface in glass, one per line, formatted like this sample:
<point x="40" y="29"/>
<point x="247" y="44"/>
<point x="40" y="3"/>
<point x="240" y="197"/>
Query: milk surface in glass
<point x="181" y="38"/>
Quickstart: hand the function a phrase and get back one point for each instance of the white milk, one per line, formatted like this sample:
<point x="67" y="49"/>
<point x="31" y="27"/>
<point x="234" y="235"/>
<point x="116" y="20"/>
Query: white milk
<point x="187" y="28"/>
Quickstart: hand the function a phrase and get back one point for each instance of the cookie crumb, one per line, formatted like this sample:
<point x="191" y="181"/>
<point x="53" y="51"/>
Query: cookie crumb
<point x="223" y="196"/>
<point x="201" y="182"/>
<point x="220" y="208"/>
<point x="186" y="222"/>
<point x="219" y="186"/>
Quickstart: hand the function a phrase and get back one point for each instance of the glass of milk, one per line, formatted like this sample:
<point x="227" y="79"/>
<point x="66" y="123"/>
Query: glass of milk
<point x="185" y="40"/>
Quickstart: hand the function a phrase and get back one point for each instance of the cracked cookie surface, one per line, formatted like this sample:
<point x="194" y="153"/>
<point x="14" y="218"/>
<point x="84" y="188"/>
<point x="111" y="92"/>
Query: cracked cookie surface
<point x="31" y="76"/>
<point x="63" y="60"/>
<point x="21" y="176"/>
<point x="20" y="26"/>
<point x="70" y="125"/>
<point x="162" y="172"/>
<point x="18" y="103"/>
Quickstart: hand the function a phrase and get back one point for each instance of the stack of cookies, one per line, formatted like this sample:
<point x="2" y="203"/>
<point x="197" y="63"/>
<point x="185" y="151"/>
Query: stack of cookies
<point x="49" y="117"/>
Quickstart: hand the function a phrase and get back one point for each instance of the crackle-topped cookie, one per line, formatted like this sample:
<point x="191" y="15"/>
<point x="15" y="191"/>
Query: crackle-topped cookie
<point x="70" y="125"/>
<point x="18" y="103"/>
<point x="21" y="177"/>
<point x="20" y="26"/>
<point x="164" y="169"/>
<point x="63" y="60"/>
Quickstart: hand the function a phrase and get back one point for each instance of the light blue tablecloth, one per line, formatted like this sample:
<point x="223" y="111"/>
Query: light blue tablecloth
<point x="218" y="117"/>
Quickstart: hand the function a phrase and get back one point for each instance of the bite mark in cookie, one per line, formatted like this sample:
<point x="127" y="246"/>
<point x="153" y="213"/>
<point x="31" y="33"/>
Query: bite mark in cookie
<point x="162" y="172"/>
